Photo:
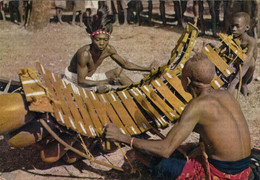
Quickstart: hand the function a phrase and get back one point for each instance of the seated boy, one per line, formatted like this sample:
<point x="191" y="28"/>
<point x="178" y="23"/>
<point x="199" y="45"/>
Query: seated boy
<point x="239" y="28"/>
<point x="84" y="64"/>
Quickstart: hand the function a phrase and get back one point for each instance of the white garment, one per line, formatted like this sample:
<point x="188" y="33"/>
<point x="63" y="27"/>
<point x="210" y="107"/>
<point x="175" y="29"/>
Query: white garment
<point x="73" y="77"/>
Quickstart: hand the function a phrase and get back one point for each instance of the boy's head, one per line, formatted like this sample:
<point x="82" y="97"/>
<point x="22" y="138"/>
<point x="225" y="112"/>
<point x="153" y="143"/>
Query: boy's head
<point x="198" y="69"/>
<point x="240" y="23"/>
<point x="99" y="24"/>
<point x="100" y="40"/>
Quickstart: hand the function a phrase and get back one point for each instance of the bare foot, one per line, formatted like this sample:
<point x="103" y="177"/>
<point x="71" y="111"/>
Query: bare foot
<point x="245" y="91"/>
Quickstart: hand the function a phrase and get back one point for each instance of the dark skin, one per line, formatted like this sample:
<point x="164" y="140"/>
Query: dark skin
<point x="214" y="114"/>
<point x="239" y="28"/>
<point x="90" y="57"/>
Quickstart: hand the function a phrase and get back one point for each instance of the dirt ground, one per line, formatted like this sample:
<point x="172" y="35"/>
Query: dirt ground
<point x="54" y="47"/>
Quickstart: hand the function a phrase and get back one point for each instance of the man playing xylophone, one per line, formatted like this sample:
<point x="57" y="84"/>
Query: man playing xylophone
<point x="216" y="116"/>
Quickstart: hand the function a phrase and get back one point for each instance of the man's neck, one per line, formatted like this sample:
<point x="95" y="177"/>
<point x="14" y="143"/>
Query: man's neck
<point x="242" y="37"/>
<point x="201" y="89"/>
<point x="95" y="52"/>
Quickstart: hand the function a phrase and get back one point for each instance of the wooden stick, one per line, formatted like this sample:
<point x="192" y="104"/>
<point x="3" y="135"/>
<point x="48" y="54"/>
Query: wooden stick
<point x="47" y="127"/>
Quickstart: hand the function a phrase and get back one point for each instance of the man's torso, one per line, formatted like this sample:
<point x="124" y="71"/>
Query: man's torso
<point x="222" y="127"/>
<point x="92" y="61"/>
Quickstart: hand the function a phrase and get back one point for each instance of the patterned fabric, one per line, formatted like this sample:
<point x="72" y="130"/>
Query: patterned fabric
<point x="218" y="175"/>
<point x="194" y="170"/>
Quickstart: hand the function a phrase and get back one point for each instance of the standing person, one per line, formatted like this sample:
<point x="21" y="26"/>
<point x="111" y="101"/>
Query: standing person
<point x="84" y="64"/>
<point x="114" y="7"/>
<point x="216" y="116"/>
<point x="239" y="27"/>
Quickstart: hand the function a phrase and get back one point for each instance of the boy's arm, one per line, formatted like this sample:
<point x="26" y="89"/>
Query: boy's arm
<point x="246" y="64"/>
<point x="126" y="64"/>
<point x="82" y="72"/>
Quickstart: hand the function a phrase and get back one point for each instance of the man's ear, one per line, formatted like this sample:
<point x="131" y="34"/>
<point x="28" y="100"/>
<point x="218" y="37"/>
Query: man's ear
<point x="188" y="81"/>
<point x="247" y="27"/>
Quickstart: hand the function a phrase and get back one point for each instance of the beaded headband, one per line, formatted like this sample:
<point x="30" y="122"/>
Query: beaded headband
<point x="99" y="32"/>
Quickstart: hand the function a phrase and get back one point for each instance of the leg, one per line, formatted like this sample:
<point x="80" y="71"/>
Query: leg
<point x="21" y="12"/>
<point x="81" y="13"/>
<point x="74" y="16"/>
<point x="2" y="10"/>
<point x="162" y="11"/>
<point x="116" y="11"/>
<point x="59" y="15"/>
<point x="125" y="16"/>
<point x="228" y="5"/>
<point x="247" y="79"/>
<point x="150" y="11"/>
<point x="138" y="11"/>
<point x="123" y="5"/>
<point x="213" y="16"/>
<point x="198" y="13"/>
<point x="178" y="13"/>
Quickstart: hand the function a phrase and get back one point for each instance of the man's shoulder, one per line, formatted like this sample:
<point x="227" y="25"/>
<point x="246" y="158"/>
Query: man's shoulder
<point x="110" y="49"/>
<point x="212" y="98"/>
<point x="83" y="48"/>
<point x="251" y="40"/>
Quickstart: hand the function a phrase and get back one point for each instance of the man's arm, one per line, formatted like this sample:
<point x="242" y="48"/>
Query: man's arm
<point x="126" y="64"/>
<point x="164" y="148"/>
<point x="82" y="72"/>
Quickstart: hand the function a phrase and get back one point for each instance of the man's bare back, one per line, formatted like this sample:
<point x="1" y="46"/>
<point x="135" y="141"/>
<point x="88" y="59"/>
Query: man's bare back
<point x="222" y="126"/>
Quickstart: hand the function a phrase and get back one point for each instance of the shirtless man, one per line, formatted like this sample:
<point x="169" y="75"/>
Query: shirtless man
<point x="83" y="66"/>
<point x="215" y="115"/>
<point x="239" y="27"/>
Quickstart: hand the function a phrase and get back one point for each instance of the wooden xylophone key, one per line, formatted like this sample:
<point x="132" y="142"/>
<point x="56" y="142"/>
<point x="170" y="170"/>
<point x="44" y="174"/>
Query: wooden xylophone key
<point x="175" y="82"/>
<point x="160" y="103"/>
<point x="97" y="130"/>
<point x="109" y="110"/>
<point x="88" y="112"/>
<point x="58" y="113"/>
<point x="122" y="112"/>
<point x="146" y="105"/>
<point x="76" y="117"/>
<point x="134" y="111"/>
<point x="99" y="107"/>
<point x="217" y="60"/>
<point x="216" y="82"/>
<point x="103" y="117"/>
<point x="85" y="122"/>
<point x="64" y="112"/>
<point x="168" y="95"/>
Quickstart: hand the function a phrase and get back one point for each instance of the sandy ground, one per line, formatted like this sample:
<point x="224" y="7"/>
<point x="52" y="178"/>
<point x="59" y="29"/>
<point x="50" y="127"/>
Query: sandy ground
<point x="54" y="47"/>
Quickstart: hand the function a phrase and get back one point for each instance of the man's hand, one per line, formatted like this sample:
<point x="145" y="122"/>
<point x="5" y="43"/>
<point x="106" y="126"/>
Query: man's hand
<point x="114" y="81"/>
<point x="113" y="133"/>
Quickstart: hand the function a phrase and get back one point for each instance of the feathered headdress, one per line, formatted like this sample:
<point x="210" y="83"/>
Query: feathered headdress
<point x="99" y="23"/>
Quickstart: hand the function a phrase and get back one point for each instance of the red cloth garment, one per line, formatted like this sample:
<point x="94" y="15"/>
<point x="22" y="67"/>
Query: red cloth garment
<point x="194" y="169"/>
<point x="215" y="174"/>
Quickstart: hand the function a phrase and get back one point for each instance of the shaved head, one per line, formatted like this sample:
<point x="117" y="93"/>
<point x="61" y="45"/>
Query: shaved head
<point x="243" y="15"/>
<point x="199" y="69"/>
